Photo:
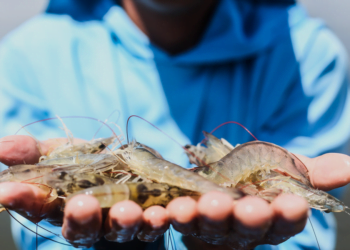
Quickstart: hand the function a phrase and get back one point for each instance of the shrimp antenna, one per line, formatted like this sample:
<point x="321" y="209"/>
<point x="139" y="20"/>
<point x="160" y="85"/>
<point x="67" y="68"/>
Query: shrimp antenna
<point x="237" y="123"/>
<point x="69" y="134"/>
<point x="318" y="244"/>
<point x="35" y="232"/>
<point x="117" y="110"/>
<point x="346" y="207"/>
<point x="121" y="134"/>
<point x="43" y="228"/>
<point x="68" y="117"/>
<point x="127" y="130"/>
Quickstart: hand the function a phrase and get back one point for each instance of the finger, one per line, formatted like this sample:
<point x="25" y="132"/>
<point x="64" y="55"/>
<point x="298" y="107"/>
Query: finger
<point x="27" y="200"/>
<point x="252" y="218"/>
<point x="183" y="213"/>
<point x="155" y="224"/>
<point x="215" y="217"/>
<point x="328" y="171"/>
<point x="82" y="221"/>
<point x="123" y="222"/>
<point x="22" y="149"/>
<point x="19" y="149"/>
<point x="290" y="216"/>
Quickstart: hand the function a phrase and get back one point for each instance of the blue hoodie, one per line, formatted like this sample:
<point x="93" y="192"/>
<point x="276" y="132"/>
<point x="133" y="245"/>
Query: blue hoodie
<point x="267" y="66"/>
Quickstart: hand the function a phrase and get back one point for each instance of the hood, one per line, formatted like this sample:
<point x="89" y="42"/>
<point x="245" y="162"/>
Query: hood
<point x="80" y="10"/>
<point x="238" y="29"/>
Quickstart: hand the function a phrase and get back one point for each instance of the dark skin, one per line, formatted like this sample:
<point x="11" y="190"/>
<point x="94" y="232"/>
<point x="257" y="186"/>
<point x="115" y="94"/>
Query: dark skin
<point x="174" y="26"/>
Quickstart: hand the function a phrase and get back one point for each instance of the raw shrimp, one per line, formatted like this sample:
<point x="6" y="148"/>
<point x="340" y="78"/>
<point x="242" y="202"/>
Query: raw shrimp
<point x="67" y="183"/>
<point x="29" y="174"/>
<point x="252" y="157"/>
<point x="20" y="173"/>
<point x="92" y="147"/>
<point x="144" y="194"/>
<point x="317" y="199"/>
<point x="96" y="163"/>
<point x="266" y="170"/>
<point x="143" y="162"/>
<point x="215" y="150"/>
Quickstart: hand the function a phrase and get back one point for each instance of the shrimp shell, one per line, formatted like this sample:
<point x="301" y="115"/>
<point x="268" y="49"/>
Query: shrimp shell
<point x="96" y="163"/>
<point x="92" y="147"/>
<point x="251" y="157"/>
<point x="144" y="194"/>
<point x="141" y="161"/>
<point x="216" y="149"/>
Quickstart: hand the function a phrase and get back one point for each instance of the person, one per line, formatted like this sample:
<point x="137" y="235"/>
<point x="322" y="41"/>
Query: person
<point x="185" y="66"/>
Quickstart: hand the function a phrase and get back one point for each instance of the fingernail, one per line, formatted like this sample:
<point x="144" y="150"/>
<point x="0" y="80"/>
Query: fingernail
<point x="215" y="217"/>
<point x="155" y="224"/>
<point x="124" y="222"/>
<point x="82" y="221"/>
<point x="183" y="215"/>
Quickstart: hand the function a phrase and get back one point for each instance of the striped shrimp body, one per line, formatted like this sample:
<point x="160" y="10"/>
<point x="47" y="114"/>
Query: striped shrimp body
<point x="317" y="199"/>
<point x="66" y="183"/>
<point x="144" y="194"/>
<point x="96" y="163"/>
<point x="92" y="147"/>
<point x="254" y="157"/>
<point x="141" y="161"/>
<point x="22" y="173"/>
<point x="215" y="150"/>
<point x="29" y="174"/>
<point x="266" y="170"/>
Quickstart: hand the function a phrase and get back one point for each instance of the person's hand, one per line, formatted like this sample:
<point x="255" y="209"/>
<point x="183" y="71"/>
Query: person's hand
<point x="215" y="218"/>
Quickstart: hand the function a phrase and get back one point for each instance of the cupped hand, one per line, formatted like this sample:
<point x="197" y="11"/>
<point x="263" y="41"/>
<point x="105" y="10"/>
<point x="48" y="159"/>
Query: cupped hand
<point x="215" y="218"/>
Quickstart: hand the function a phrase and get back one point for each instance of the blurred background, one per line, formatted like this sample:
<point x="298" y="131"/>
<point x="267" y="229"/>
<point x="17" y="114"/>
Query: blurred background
<point x="335" y="13"/>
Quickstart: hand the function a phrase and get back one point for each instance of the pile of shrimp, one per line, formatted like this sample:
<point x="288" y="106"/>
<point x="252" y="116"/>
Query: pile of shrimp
<point x="260" y="169"/>
<point x="112" y="171"/>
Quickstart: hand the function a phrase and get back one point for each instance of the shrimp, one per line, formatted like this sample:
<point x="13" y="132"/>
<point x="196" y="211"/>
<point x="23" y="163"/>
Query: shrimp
<point x="215" y="150"/>
<point x="143" y="162"/>
<point x="20" y="173"/>
<point x="251" y="157"/>
<point x="92" y="147"/>
<point x="28" y="174"/>
<point x="96" y="163"/>
<point x="55" y="181"/>
<point x="144" y="194"/>
<point x="266" y="170"/>
<point x="317" y="199"/>
<point x="67" y="183"/>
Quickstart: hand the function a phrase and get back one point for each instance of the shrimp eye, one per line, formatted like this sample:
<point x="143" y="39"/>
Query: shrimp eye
<point x="102" y="146"/>
<point x="188" y="146"/>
